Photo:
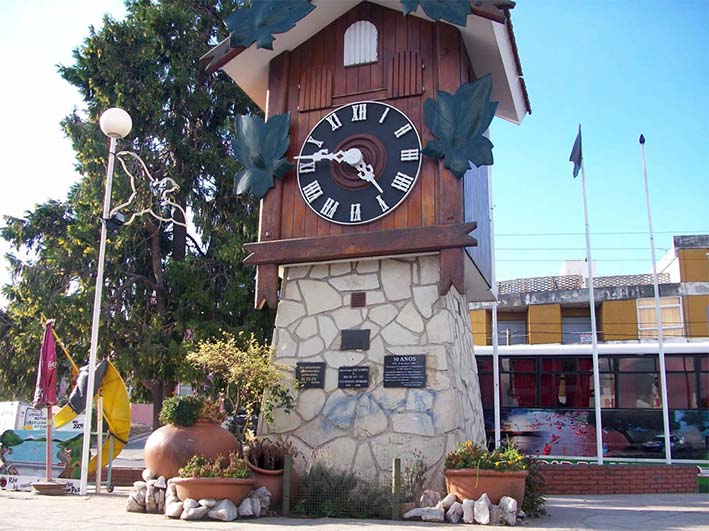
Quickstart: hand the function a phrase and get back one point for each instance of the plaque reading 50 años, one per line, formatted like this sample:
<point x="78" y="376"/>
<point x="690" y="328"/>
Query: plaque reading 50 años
<point x="405" y="371"/>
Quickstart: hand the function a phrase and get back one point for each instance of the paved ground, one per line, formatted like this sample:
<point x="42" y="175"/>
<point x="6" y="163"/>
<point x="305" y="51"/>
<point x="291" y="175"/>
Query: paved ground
<point x="642" y="512"/>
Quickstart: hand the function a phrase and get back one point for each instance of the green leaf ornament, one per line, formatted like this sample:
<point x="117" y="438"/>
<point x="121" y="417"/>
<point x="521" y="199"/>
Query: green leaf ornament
<point x="260" y="147"/>
<point x="459" y="121"/>
<point x="264" y="18"/>
<point x="453" y="11"/>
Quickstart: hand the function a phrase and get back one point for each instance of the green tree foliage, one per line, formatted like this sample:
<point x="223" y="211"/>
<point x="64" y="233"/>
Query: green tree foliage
<point x="240" y="369"/>
<point x="164" y="287"/>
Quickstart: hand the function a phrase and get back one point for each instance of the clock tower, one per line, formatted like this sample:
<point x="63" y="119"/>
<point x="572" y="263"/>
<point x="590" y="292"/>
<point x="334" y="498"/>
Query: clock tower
<point x="365" y="245"/>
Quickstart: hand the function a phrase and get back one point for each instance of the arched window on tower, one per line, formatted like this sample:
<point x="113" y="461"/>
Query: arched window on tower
<point x="361" y="43"/>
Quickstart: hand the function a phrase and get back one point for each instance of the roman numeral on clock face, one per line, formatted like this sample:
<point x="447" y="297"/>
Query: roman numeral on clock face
<point x="330" y="207"/>
<point x="384" y="115"/>
<point x="312" y="191"/>
<point x="402" y="182"/>
<point x="409" y="154"/>
<point x="311" y="140"/>
<point x="382" y="204"/>
<point x="402" y="130"/>
<point x="356" y="212"/>
<point x="359" y="112"/>
<point x="306" y="166"/>
<point x="334" y="121"/>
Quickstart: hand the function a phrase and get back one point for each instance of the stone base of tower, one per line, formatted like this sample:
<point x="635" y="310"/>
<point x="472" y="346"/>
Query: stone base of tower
<point x="363" y="429"/>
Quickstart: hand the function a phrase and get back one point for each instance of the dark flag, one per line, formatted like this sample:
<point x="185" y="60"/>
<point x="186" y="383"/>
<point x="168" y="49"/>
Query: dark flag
<point x="576" y="156"/>
<point x="45" y="392"/>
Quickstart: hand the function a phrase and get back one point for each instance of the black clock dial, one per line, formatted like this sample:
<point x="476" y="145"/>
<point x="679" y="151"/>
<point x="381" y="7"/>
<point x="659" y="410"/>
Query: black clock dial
<point x="359" y="163"/>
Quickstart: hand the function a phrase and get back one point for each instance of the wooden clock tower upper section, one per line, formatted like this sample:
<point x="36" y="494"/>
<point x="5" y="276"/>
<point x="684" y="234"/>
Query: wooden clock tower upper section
<point x="365" y="57"/>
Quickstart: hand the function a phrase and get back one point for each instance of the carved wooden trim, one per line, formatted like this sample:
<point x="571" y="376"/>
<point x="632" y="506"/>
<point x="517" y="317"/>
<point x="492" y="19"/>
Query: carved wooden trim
<point x="405" y="75"/>
<point x="315" y="90"/>
<point x="361" y="245"/>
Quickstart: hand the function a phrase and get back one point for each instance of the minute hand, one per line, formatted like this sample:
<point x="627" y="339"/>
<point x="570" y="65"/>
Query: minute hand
<point x="351" y="156"/>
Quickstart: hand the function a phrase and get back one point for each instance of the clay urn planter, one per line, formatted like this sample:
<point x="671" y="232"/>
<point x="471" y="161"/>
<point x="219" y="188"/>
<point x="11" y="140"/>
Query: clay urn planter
<point x="470" y="483"/>
<point x="185" y="434"/>
<point x="234" y="489"/>
<point x="471" y="471"/>
<point x="265" y="459"/>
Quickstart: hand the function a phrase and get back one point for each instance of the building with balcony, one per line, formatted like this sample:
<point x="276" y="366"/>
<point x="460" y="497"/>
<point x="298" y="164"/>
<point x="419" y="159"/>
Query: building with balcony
<point x="547" y="395"/>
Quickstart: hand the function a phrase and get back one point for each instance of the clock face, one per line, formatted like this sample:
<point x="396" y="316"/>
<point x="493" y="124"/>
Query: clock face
<point x="359" y="163"/>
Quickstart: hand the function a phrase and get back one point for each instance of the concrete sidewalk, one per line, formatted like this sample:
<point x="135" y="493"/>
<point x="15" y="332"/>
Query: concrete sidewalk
<point x="640" y="512"/>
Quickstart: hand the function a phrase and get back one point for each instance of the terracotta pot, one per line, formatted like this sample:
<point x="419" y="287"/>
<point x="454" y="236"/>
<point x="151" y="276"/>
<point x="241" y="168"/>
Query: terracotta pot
<point x="170" y="447"/>
<point x="471" y="484"/>
<point x="233" y="489"/>
<point x="273" y="481"/>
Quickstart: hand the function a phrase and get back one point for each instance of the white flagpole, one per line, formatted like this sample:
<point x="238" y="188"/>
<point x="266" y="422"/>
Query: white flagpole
<point x="495" y="340"/>
<point x="658" y="316"/>
<point x="594" y="339"/>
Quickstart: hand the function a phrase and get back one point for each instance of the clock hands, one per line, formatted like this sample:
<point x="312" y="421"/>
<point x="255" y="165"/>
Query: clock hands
<point x="353" y="157"/>
<point x="366" y="173"/>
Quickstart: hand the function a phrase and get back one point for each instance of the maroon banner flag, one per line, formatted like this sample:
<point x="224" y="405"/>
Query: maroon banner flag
<point x="45" y="391"/>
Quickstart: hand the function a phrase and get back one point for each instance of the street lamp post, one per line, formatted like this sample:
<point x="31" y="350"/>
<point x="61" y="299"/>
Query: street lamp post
<point x="115" y="123"/>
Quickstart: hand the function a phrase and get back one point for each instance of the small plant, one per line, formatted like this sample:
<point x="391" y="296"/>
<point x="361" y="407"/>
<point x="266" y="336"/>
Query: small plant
<point x="328" y="491"/>
<point x="470" y="455"/>
<point x="270" y="455"/>
<point x="231" y="466"/>
<point x="181" y="410"/>
<point x="534" y="500"/>
<point x="186" y="410"/>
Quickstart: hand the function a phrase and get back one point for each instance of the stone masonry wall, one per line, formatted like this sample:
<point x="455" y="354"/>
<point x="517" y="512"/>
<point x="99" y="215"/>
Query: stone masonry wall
<point x="364" y="429"/>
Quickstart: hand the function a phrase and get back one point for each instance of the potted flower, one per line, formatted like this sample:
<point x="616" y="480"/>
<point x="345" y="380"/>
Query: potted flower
<point x="219" y="478"/>
<point x="191" y="426"/>
<point x="472" y="470"/>
<point x="266" y="460"/>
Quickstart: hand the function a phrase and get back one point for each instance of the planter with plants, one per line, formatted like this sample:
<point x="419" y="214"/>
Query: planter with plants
<point x="266" y="460"/>
<point x="472" y="470"/>
<point x="191" y="426"/>
<point x="220" y="478"/>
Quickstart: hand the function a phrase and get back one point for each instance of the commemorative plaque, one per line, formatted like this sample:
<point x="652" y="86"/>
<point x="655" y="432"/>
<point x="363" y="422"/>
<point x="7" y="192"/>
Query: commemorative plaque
<point x="354" y="339"/>
<point x="405" y="371"/>
<point x="310" y="375"/>
<point x="353" y="377"/>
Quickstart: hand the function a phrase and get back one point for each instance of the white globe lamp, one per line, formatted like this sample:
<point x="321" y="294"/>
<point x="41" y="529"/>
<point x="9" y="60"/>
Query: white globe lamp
<point x="115" y="123"/>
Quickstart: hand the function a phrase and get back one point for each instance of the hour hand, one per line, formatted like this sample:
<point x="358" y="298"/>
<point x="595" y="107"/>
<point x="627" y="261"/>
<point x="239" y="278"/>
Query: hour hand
<point x="351" y="156"/>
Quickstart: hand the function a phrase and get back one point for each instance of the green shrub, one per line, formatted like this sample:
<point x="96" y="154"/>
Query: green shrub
<point x="534" y="500"/>
<point x="231" y="466"/>
<point x="327" y="491"/>
<point x="181" y="410"/>
<point x="470" y="455"/>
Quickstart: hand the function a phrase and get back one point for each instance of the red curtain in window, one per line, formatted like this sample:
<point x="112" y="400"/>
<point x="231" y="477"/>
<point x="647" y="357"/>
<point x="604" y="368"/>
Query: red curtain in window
<point x="578" y="386"/>
<point x="550" y="382"/>
<point x="524" y="379"/>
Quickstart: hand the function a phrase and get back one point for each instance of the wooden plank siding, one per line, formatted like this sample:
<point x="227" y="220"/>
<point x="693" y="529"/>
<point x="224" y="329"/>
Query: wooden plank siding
<point x="416" y="58"/>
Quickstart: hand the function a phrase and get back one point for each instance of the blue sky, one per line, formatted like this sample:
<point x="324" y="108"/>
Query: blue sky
<point x="619" y="68"/>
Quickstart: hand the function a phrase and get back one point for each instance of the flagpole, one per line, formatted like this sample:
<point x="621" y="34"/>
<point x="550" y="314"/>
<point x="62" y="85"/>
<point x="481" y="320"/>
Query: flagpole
<point x="658" y="315"/>
<point x="594" y="338"/>
<point x="495" y="339"/>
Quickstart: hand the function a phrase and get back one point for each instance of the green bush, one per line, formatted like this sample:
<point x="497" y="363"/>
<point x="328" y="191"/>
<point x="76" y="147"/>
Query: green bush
<point x="181" y="410"/>
<point x="327" y="491"/>
<point x="534" y="500"/>
<point x="231" y="466"/>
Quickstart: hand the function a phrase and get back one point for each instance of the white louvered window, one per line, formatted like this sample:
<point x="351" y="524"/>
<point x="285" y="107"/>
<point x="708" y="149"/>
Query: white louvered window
<point x="361" y="43"/>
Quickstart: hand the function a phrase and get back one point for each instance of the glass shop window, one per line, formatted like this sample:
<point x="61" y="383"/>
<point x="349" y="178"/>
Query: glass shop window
<point x="485" y="375"/>
<point x="681" y="382"/>
<point x="638" y="382"/>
